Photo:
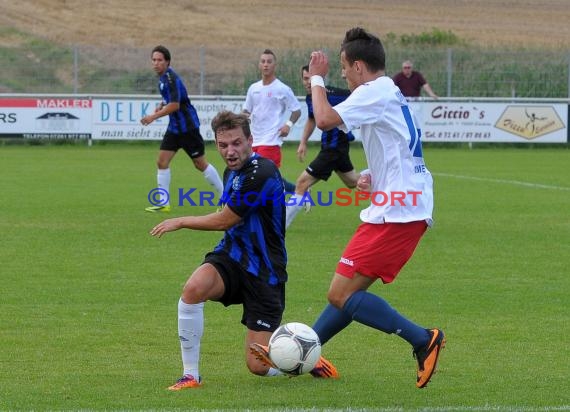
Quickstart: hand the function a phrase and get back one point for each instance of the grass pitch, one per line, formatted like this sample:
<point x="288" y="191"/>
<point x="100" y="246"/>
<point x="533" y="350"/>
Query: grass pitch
<point x="88" y="302"/>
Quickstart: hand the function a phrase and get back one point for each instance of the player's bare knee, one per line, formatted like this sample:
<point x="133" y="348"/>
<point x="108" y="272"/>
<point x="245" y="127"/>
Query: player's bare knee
<point x="192" y="294"/>
<point x="302" y="188"/>
<point x="304" y="182"/>
<point x="200" y="163"/>
<point x="336" y="299"/>
<point x="257" y="368"/>
<point x="302" y="185"/>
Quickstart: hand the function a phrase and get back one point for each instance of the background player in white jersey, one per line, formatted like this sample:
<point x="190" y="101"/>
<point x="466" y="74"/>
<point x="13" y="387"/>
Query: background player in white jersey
<point x="401" y="197"/>
<point x="266" y="103"/>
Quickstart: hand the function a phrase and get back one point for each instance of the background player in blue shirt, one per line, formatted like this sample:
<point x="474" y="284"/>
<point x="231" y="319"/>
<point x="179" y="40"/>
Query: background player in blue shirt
<point x="333" y="156"/>
<point x="248" y="266"/>
<point x="183" y="128"/>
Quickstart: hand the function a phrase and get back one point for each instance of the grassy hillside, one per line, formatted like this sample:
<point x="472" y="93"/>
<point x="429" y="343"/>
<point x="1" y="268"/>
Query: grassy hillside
<point x="285" y="24"/>
<point x="500" y="48"/>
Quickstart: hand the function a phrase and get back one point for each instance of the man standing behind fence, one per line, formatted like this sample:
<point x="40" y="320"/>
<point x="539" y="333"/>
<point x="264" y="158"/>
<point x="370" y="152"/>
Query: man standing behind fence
<point x="411" y="82"/>
<point x="183" y="129"/>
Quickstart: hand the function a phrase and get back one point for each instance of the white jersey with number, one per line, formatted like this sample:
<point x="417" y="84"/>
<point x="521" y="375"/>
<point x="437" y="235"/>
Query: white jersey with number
<point x="267" y="106"/>
<point x="402" y="186"/>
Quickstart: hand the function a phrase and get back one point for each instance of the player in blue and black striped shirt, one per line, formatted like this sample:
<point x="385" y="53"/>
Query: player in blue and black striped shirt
<point x="183" y="130"/>
<point x="248" y="266"/>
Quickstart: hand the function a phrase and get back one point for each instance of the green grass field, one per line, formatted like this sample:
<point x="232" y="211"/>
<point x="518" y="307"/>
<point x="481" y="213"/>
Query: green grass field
<point x="89" y="299"/>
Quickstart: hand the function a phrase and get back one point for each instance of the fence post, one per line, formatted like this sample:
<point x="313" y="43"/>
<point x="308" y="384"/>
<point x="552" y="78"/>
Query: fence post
<point x="75" y="69"/>
<point x="449" y="71"/>
<point x="202" y="66"/>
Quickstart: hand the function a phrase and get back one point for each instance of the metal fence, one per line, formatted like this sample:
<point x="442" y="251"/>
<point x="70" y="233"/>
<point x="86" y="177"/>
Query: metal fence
<point x="452" y="72"/>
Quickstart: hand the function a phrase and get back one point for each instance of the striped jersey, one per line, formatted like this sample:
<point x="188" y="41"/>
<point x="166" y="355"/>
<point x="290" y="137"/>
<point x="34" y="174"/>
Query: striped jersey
<point x="172" y="90"/>
<point x="257" y="243"/>
<point x="334" y="138"/>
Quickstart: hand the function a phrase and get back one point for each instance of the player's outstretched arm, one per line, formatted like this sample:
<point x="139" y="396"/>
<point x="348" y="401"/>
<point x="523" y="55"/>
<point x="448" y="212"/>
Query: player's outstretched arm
<point x="163" y="110"/>
<point x="310" y="126"/>
<point x="214" y="221"/>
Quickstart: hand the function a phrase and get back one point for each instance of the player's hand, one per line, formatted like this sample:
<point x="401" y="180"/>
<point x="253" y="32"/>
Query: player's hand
<point x="301" y="151"/>
<point x="169" y="225"/>
<point x="364" y="183"/>
<point x="147" y="120"/>
<point x="284" y="131"/>
<point x="319" y="64"/>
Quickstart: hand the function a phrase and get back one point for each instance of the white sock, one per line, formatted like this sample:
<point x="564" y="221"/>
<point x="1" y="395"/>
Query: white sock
<point x="273" y="372"/>
<point x="190" y="330"/>
<point x="213" y="177"/>
<point x="163" y="180"/>
<point x="292" y="209"/>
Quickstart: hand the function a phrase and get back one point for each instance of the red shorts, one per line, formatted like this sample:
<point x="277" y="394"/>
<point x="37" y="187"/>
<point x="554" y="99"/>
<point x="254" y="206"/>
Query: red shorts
<point x="380" y="250"/>
<point x="272" y="153"/>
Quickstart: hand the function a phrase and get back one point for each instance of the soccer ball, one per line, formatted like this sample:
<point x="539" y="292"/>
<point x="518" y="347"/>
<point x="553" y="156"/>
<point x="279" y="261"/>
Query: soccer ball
<point x="294" y="348"/>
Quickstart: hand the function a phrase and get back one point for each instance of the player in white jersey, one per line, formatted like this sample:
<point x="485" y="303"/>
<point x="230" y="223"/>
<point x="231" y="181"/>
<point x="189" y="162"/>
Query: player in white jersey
<point x="267" y="105"/>
<point x="400" y="188"/>
<point x="267" y="101"/>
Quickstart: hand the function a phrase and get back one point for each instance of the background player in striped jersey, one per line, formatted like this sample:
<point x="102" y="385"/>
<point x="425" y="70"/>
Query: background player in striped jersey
<point x="333" y="156"/>
<point x="183" y="128"/>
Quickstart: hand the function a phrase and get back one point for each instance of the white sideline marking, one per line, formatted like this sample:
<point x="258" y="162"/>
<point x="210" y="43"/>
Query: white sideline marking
<point x="506" y="181"/>
<point x="500" y="408"/>
<point x="485" y="408"/>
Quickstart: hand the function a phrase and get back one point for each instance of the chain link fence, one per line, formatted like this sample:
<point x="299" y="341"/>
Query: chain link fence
<point x="452" y="72"/>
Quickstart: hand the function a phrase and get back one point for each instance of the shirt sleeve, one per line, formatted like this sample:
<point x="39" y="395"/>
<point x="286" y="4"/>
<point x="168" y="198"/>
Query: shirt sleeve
<point x="173" y="92"/>
<point x="292" y="101"/>
<point x="421" y="79"/>
<point x="248" y="104"/>
<point x="396" y="79"/>
<point x="363" y="106"/>
<point x="309" y="101"/>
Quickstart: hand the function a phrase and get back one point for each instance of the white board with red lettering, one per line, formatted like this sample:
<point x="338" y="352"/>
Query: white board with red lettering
<point x="65" y="118"/>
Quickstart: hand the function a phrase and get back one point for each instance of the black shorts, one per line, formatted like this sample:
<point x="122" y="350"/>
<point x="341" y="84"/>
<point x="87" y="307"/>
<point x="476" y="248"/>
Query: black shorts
<point x="329" y="160"/>
<point x="263" y="304"/>
<point x="192" y="143"/>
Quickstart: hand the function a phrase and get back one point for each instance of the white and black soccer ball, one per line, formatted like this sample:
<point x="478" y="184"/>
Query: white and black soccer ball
<point x="294" y="348"/>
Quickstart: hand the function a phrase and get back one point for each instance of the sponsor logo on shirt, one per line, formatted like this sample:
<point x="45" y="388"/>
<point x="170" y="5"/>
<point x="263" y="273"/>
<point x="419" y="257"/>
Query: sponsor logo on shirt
<point x="346" y="261"/>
